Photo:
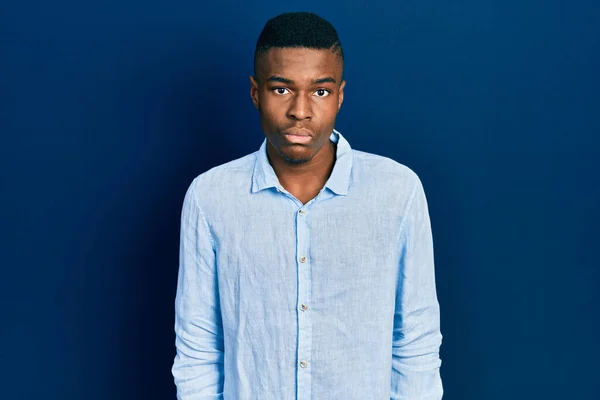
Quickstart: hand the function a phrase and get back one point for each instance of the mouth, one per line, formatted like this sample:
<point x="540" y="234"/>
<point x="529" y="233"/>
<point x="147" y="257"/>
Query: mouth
<point x="298" y="136"/>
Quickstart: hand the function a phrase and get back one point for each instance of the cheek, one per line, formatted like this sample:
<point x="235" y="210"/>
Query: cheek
<point x="269" y="104"/>
<point x="267" y="109"/>
<point x="273" y="110"/>
<point x="272" y="114"/>
<point x="271" y="107"/>
<point x="331" y="109"/>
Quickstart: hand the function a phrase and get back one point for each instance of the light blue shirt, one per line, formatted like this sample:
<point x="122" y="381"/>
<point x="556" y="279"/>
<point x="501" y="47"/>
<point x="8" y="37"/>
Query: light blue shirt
<point x="332" y="299"/>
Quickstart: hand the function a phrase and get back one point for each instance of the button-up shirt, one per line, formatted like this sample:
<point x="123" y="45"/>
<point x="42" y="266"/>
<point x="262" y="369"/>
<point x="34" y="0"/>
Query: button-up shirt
<point x="332" y="299"/>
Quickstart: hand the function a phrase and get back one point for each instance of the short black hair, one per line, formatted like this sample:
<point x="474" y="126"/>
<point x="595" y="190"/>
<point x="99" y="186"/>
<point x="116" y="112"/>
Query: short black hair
<point x="297" y="29"/>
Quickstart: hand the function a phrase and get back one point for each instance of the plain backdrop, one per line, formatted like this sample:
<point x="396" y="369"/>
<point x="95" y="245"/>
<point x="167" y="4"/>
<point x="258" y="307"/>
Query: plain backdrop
<point x="109" y="109"/>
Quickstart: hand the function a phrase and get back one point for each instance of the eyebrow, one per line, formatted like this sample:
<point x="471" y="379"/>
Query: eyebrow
<point x="274" y="78"/>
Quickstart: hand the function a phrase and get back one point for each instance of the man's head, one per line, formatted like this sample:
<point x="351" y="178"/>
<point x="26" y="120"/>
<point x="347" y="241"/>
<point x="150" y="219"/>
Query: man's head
<point x="297" y="85"/>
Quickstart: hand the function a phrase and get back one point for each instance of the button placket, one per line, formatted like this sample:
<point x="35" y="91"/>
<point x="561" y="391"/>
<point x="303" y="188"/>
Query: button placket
<point x="304" y="348"/>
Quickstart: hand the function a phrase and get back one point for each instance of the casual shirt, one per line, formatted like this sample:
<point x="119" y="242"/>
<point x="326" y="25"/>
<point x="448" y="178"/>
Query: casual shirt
<point x="332" y="299"/>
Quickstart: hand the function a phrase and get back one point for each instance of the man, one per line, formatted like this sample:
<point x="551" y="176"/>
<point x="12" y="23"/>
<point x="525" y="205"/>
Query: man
<point x="306" y="268"/>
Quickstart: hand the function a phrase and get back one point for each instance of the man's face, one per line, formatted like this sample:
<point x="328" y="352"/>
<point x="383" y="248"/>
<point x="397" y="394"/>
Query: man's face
<point x="298" y="93"/>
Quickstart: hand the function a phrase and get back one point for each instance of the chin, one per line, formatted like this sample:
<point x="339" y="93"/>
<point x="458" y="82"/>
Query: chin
<point x="297" y="160"/>
<point x="296" y="157"/>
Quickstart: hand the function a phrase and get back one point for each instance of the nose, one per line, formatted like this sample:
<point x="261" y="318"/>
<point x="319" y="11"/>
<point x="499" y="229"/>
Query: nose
<point x="300" y="107"/>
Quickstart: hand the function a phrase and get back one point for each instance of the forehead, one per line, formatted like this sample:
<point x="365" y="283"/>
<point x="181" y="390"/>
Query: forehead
<point x="301" y="63"/>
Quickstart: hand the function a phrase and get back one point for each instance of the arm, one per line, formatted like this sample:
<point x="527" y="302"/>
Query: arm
<point x="416" y="335"/>
<point x="198" y="365"/>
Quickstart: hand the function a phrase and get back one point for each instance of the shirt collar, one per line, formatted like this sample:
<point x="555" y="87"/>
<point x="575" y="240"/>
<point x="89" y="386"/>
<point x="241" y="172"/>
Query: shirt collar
<point x="264" y="177"/>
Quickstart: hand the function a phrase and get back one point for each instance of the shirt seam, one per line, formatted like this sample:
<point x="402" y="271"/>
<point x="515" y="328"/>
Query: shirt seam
<point x="254" y="172"/>
<point x="408" y="209"/>
<point x="202" y="216"/>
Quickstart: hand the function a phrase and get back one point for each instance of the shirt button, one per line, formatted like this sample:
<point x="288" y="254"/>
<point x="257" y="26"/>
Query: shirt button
<point x="303" y="307"/>
<point x="302" y="212"/>
<point x="303" y="364"/>
<point x="302" y="259"/>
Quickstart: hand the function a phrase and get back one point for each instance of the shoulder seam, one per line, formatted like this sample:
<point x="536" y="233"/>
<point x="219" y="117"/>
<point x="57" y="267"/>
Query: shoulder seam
<point x="201" y="213"/>
<point x="408" y="208"/>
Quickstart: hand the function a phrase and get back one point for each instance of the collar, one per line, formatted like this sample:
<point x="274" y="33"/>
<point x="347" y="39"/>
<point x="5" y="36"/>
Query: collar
<point x="264" y="177"/>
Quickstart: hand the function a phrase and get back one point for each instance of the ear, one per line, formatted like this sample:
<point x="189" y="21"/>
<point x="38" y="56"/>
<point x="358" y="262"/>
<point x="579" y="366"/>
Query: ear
<point x="341" y="94"/>
<point x="254" y="91"/>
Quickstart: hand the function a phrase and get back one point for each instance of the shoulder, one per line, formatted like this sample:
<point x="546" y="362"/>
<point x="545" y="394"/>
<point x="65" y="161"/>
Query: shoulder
<point x="384" y="171"/>
<point x="224" y="177"/>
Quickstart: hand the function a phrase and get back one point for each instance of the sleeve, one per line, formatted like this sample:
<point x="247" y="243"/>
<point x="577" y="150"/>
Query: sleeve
<point x="416" y="334"/>
<point x="198" y="364"/>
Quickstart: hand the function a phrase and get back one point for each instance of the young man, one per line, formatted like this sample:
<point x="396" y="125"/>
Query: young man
<point x="306" y="268"/>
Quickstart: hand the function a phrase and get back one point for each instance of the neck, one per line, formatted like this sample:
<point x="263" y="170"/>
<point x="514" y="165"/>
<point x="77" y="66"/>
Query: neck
<point x="307" y="176"/>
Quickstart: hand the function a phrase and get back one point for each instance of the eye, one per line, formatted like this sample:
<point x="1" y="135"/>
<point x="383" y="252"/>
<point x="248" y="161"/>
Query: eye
<point x="322" y="92"/>
<point x="280" y="90"/>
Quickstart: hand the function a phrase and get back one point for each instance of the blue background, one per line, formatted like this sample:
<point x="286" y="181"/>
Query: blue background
<point x="110" y="109"/>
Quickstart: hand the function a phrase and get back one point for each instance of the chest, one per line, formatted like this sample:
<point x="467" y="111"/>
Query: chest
<point x="266" y="252"/>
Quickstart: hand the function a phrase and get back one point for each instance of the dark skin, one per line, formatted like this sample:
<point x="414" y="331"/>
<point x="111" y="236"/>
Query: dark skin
<point x="299" y="91"/>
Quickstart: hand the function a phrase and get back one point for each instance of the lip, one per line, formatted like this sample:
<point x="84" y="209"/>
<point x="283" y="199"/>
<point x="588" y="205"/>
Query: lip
<point x="294" y="138"/>
<point x="298" y="135"/>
